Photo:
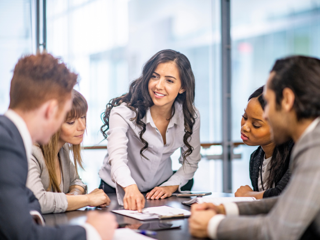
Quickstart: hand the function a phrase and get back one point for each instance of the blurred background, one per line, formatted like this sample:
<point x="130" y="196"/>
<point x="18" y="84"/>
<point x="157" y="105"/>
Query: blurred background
<point x="107" y="42"/>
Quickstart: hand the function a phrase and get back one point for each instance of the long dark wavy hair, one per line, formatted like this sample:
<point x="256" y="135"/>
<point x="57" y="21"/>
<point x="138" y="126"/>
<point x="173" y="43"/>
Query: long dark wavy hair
<point x="281" y="153"/>
<point x="139" y="100"/>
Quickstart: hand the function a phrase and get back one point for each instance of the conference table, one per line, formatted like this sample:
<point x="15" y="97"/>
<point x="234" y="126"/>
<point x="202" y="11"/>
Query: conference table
<point x="182" y="233"/>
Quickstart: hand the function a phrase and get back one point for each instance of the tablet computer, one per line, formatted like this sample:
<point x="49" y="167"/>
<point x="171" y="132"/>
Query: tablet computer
<point x="191" y="193"/>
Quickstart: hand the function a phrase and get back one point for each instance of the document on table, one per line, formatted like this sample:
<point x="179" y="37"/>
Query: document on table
<point x="128" y="234"/>
<point x="218" y="200"/>
<point x="155" y="213"/>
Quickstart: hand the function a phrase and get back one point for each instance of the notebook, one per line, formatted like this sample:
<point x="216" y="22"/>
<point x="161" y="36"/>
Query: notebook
<point x="218" y="200"/>
<point x="161" y="212"/>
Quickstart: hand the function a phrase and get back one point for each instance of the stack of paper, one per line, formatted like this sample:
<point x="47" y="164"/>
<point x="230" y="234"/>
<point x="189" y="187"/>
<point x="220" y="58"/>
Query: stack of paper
<point x="218" y="200"/>
<point x="155" y="213"/>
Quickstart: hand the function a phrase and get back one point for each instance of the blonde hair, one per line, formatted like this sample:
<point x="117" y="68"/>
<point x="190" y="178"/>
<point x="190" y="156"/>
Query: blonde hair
<point x="79" y="108"/>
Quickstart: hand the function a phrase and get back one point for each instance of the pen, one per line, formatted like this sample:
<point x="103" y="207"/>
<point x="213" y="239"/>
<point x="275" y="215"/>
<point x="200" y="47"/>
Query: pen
<point x="145" y="232"/>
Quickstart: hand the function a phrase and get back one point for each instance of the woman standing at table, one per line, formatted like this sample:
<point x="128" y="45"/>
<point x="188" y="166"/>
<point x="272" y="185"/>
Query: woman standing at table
<point x="145" y="126"/>
<point x="52" y="176"/>
<point x="269" y="164"/>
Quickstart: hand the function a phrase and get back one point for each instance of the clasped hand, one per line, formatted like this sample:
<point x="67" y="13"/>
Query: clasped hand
<point x="247" y="191"/>
<point x="243" y="191"/>
<point x="200" y="217"/>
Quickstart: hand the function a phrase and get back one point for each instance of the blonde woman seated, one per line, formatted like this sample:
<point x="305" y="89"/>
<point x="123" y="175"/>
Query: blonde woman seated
<point x="53" y="177"/>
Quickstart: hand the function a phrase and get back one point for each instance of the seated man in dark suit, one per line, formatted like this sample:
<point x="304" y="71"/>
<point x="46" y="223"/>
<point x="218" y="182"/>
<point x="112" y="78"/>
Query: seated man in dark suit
<point x="40" y="97"/>
<point x="292" y="95"/>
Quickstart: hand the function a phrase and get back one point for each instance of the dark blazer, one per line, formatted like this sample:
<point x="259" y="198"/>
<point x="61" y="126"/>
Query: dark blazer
<point x="256" y="160"/>
<point x="16" y="200"/>
<point x="295" y="213"/>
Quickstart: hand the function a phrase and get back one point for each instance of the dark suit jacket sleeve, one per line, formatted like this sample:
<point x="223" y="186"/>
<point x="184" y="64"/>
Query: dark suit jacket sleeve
<point x="33" y="201"/>
<point x="271" y="192"/>
<point x="15" y="219"/>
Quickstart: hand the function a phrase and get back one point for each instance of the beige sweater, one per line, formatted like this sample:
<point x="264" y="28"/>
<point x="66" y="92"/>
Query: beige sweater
<point x="38" y="180"/>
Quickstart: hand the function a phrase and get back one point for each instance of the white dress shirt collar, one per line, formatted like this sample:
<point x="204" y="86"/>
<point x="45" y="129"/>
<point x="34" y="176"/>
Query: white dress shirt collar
<point x="23" y="130"/>
<point x="174" y="120"/>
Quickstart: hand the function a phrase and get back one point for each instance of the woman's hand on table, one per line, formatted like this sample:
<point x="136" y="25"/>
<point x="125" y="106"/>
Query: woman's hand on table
<point x="161" y="192"/>
<point x="98" y="198"/>
<point x="133" y="199"/>
<point x="247" y="191"/>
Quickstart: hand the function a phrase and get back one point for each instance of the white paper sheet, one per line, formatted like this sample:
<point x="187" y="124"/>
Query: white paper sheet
<point x="155" y="213"/>
<point x="128" y="234"/>
<point x="220" y="200"/>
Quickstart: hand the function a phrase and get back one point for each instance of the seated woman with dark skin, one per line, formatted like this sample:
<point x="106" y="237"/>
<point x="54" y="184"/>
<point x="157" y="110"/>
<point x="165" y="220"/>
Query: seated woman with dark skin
<point x="269" y="164"/>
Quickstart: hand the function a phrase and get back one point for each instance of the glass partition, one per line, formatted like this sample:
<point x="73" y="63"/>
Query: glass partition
<point x="108" y="41"/>
<point x="263" y="31"/>
<point x="16" y="39"/>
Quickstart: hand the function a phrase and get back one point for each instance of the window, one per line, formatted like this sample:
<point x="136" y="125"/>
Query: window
<point x="16" y="39"/>
<point x="108" y="41"/>
<point x="261" y="33"/>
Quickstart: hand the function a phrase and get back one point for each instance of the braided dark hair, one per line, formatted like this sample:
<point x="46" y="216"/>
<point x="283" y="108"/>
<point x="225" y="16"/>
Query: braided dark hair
<point x="281" y="153"/>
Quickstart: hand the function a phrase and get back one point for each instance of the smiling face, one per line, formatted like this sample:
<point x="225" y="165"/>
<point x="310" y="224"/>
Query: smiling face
<point x="165" y="84"/>
<point x="72" y="130"/>
<point x="255" y="131"/>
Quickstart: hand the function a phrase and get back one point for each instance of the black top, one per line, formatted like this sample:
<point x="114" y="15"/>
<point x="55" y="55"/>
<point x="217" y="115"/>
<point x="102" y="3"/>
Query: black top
<point x="16" y="199"/>
<point x="256" y="160"/>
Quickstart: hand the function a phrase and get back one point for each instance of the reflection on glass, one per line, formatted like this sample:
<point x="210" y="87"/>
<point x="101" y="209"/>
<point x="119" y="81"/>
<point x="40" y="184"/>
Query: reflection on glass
<point x="108" y="41"/>
<point x="15" y="41"/>
<point x="261" y="33"/>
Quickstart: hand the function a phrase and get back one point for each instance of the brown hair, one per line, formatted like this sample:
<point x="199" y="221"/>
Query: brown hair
<point x="39" y="78"/>
<point x="79" y="108"/>
<point x="138" y="98"/>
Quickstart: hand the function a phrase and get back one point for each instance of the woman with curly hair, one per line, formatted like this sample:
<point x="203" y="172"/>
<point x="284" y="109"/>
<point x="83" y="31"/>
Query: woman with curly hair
<point x="145" y="126"/>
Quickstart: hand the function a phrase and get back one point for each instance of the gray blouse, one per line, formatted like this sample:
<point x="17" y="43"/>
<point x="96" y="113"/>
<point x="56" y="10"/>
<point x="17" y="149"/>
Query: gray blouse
<point x="124" y="166"/>
<point x="38" y="180"/>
